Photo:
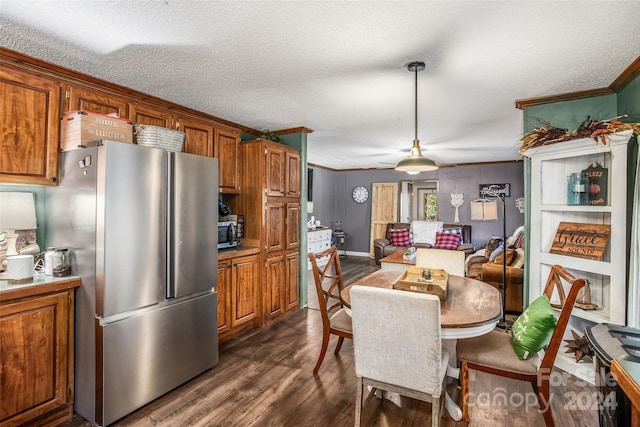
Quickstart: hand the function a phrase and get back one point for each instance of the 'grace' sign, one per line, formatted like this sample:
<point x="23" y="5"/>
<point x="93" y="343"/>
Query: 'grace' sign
<point x="581" y="240"/>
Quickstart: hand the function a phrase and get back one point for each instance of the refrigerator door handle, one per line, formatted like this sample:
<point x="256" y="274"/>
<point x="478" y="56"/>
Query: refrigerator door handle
<point x="170" y="286"/>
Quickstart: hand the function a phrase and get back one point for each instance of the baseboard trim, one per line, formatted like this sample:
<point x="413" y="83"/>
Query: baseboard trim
<point x="362" y="254"/>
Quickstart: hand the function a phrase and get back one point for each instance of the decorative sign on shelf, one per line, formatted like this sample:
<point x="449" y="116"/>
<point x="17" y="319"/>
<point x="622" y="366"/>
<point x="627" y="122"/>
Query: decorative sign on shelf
<point x="598" y="182"/>
<point x="581" y="240"/>
<point x="494" y="190"/>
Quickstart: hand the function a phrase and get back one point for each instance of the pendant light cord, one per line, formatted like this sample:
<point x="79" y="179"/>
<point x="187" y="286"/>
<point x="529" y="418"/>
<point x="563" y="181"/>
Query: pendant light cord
<point x="415" y="72"/>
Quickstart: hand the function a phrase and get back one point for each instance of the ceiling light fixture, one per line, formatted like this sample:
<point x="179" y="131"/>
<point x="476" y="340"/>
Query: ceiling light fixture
<point x="416" y="163"/>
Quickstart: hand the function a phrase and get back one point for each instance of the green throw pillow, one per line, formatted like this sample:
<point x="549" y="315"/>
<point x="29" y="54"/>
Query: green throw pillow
<point x="532" y="330"/>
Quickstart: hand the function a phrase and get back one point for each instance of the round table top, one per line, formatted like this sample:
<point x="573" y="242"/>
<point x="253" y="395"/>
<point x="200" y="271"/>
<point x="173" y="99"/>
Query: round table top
<point x="471" y="308"/>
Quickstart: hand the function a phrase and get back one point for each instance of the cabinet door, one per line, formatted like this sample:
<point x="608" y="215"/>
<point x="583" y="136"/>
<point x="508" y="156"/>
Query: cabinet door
<point x="146" y="115"/>
<point x="292" y="295"/>
<point x="293" y="225"/>
<point x="293" y="173"/>
<point x="274" y="170"/>
<point x="30" y="123"/>
<point x="33" y="357"/>
<point x="226" y="149"/>
<point x="244" y="295"/>
<point x="200" y="136"/>
<point x="274" y="225"/>
<point x="274" y="288"/>
<point x="83" y="98"/>
<point x="224" y="296"/>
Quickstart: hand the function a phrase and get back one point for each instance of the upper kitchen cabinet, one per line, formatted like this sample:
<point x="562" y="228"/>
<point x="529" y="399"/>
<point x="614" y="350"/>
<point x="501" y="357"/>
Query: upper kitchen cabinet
<point x="30" y="122"/>
<point x="148" y="115"/>
<point x="200" y="136"/>
<point x="275" y="169"/>
<point x="292" y="188"/>
<point x="96" y="101"/>
<point x="227" y="148"/>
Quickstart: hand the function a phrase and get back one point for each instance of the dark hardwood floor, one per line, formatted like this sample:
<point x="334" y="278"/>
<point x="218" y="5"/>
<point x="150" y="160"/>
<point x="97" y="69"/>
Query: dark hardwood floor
<point x="265" y="378"/>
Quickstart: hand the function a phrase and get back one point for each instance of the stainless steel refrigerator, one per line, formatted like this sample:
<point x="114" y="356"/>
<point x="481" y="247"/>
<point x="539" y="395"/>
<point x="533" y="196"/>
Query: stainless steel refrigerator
<point x="141" y="228"/>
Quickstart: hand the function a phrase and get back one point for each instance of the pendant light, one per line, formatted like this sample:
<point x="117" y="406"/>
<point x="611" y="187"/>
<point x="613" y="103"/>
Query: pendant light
<point x="416" y="163"/>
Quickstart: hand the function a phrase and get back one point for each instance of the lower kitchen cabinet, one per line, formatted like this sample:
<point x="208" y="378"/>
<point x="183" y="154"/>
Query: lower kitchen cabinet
<point x="238" y="292"/>
<point x="281" y="284"/>
<point x="36" y="354"/>
<point x="292" y="295"/>
<point x="273" y="291"/>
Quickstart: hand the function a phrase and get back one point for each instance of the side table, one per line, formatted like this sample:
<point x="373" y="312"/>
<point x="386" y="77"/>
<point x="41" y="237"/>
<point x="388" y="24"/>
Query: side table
<point x="340" y="240"/>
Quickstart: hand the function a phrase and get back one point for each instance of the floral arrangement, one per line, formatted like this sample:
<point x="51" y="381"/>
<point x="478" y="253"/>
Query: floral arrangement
<point x="590" y="128"/>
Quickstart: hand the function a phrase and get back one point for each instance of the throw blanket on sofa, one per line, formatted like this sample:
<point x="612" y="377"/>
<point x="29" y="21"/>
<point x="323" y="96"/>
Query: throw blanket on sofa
<point x="425" y="231"/>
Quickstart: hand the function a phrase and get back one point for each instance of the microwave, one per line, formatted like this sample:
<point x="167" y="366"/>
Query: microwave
<point x="230" y="231"/>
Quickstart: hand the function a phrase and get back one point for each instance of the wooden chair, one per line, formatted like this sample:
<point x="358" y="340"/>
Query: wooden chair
<point x="448" y="260"/>
<point x="493" y="353"/>
<point x="329" y="283"/>
<point x="397" y="345"/>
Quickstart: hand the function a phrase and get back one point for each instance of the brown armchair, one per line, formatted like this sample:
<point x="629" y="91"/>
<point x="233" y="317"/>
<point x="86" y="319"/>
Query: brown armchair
<point x="481" y="268"/>
<point x="383" y="247"/>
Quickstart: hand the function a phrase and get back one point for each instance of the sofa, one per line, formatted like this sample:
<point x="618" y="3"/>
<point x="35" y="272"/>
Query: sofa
<point x="486" y="265"/>
<point x="421" y="234"/>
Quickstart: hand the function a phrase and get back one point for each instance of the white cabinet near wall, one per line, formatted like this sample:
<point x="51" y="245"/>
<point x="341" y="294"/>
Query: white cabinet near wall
<point x="550" y="167"/>
<point x="318" y="240"/>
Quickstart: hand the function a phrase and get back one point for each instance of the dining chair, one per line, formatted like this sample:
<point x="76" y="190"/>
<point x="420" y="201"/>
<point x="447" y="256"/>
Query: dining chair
<point x="494" y="353"/>
<point x="397" y="345"/>
<point x="329" y="283"/>
<point x="448" y="260"/>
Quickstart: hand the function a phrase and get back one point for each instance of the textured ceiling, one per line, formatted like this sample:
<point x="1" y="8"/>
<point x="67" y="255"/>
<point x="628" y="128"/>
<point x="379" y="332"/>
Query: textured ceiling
<point x="338" y="68"/>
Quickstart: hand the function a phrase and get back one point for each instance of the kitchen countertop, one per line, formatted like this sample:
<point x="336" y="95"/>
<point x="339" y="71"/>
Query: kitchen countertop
<point x="41" y="284"/>
<point x="225" y="254"/>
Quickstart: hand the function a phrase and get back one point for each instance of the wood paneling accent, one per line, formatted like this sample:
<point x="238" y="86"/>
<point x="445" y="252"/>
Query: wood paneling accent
<point x="274" y="225"/>
<point x="292" y="268"/>
<point x="275" y="170"/>
<point x="274" y="286"/>
<point x="292" y="165"/>
<point x="292" y="232"/>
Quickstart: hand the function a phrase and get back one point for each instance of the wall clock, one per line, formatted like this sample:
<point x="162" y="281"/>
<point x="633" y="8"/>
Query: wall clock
<point x="360" y="194"/>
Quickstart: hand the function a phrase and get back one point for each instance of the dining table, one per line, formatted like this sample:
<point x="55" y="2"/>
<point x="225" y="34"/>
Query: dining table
<point x="471" y="308"/>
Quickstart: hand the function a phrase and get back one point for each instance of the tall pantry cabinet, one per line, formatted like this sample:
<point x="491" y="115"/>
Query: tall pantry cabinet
<point x="270" y="202"/>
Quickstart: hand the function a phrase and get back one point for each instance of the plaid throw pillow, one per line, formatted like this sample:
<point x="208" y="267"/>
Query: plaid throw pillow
<point x="400" y="237"/>
<point x="447" y="240"/>
<point x="457" y="230"/>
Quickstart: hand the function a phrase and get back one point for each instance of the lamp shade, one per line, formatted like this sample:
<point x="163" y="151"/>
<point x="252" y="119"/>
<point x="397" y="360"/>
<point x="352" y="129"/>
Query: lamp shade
<point x="484" y="210"/>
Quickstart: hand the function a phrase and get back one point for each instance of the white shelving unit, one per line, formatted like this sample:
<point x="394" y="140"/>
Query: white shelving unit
<point x="550" y="167"/>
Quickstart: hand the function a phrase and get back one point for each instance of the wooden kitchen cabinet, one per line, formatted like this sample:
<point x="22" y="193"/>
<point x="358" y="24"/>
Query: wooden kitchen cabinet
<point x="226" y="149"/>
<point x="200" y="136"/>
<point x="30" y="123"/>
<point x="272" y="219"/>
<point x="238" y="292"/>
<point x="94" y="100"/>
<point x="36" y="355"/>
<point x="224" y="298"/>
<point x="292" y="162"/>
<point x="292" y="230"/>
<point x="274" y="287"/>
<point x="292" y="270"/>
<point x="149" y="115"/>
<point x="275" y="171"/>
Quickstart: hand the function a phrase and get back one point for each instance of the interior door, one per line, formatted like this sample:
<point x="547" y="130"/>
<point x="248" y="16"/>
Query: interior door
<point x="384" y="209"/>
